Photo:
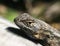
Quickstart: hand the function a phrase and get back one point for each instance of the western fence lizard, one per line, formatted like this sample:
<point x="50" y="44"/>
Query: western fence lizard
<point x="38" y="29"/>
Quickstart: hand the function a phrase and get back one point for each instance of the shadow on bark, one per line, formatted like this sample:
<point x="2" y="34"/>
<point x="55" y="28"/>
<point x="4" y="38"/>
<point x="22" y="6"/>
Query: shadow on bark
<point x="20" y="32"/>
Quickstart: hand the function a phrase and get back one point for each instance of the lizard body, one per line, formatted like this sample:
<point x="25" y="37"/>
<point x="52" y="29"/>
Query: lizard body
<point x="38" y="29"/>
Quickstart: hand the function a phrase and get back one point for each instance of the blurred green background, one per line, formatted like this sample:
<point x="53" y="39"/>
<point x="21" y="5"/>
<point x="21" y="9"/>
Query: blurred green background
<point x="46" y="10"/>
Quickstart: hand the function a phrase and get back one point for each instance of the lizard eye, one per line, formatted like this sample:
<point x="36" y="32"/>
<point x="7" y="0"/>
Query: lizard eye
<point x="30" y="22"/>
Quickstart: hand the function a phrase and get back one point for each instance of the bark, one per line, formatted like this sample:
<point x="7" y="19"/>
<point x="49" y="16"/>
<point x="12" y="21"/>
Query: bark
<point x="8" y="38"/>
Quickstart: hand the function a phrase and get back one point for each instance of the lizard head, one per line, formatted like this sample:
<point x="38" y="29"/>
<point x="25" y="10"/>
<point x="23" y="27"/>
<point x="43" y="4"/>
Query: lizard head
<point x="27" y="23"/>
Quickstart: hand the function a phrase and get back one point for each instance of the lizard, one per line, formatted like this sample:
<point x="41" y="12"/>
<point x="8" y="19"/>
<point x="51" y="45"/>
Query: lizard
<point x="38" y="29"/>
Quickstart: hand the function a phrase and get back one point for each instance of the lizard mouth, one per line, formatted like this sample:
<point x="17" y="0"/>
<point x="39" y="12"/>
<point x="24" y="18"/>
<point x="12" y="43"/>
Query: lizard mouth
<point x="29" y="24"/>
<point x="25" y="28"/>
<point x="22" y="25"/>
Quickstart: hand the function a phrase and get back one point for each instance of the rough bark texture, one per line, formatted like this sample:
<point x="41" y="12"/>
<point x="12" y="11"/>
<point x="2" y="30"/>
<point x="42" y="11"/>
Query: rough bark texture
<point x="9" y="35"/>
<point x="38" y="29"/>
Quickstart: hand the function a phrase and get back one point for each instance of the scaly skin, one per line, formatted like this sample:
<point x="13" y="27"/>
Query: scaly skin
<point x="38" y="29"/>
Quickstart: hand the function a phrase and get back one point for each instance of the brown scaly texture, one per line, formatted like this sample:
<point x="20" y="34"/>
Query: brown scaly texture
<point x="38" y="29"/>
